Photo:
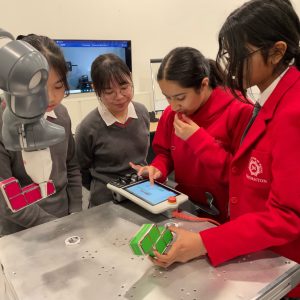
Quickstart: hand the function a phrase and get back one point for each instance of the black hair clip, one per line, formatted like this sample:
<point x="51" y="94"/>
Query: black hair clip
<point x="21" y="36"/>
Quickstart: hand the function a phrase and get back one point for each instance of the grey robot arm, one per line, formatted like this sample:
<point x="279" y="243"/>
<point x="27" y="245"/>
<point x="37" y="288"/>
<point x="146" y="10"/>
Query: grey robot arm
<point x="23" y="78"/>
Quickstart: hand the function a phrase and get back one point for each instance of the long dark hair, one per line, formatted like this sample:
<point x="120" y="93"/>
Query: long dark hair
<point x="52" y="53"/>
<point x="188" y="67"/>
<point x="260" y="23"/>
<point x="107" y="68"/>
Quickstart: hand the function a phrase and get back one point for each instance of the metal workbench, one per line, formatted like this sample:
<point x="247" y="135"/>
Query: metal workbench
<point x="38" y="265"/>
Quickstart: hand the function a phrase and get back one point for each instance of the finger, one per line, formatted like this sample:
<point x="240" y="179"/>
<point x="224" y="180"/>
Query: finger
<point x="141" y="171"/>
<point x="151" y="176"/>
<point x="177" y="127"/>
<point x="160" y="264"/>
<point x="134" y="166"/>
<point x="174" y="229"/>
<point x="187" y="120"/>
<point x="177" y="122"/>
<point x="154" y="260"/>
<point x="157" y="174"/>
<point x="162" y="258"/>
<point x="179" y="115"/>
<point x="170" y="256"/>
<point x="157" y="255"/>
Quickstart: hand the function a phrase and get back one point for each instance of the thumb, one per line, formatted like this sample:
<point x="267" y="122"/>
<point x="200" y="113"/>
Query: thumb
<point x="174" y="229"/>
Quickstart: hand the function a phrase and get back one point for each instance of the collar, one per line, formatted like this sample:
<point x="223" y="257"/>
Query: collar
<point x="110" y="119"/>
<point x="218" y="100"/>
<point x="50" y="114"/>
<point x="269" y="90"/>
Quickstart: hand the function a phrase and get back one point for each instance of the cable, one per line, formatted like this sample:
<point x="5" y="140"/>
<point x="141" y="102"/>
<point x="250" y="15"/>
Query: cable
<point x="180" y="215"/>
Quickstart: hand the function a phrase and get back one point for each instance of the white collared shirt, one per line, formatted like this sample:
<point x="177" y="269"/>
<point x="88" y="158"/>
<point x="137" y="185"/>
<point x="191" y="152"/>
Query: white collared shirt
<point x="269" y="90"/>
<point x="50" y="114"/>
<point x="110" y="119"/>
<point x="38" y="164"/>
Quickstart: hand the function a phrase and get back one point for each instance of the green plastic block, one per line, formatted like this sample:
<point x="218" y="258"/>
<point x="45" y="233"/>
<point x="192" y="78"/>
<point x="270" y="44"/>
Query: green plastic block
<point x="135" y="241"/>
<point x="161" y="228"/>
<point x="149" y="237"/>
<point x="146" y="245"/>
<point x="160" y="245"/>
<point x="168" y="236"/>
<point x="164" y="240"/>
<point x="154" y="233"/>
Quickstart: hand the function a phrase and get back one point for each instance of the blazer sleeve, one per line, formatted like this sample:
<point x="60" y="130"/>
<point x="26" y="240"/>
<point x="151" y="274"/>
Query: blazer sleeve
<point x="84" y="154"/>
<point x="74" y="186"/>
<point x="210" y="152"/>
<point x="161" y="145"/>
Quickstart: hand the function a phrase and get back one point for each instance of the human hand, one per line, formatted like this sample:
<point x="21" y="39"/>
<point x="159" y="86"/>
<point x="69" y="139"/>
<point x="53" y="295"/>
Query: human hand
<point x="188" y="245"/>
<point x="184" y="126"/>
<point x="147" y="171"/>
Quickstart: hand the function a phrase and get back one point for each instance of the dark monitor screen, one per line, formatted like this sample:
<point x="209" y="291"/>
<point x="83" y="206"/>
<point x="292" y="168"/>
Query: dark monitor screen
<point x="152" y="194"/>
<point x="80" y="54"/>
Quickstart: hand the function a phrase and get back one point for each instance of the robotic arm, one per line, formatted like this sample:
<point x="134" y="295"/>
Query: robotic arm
<point x="23" y="78"/>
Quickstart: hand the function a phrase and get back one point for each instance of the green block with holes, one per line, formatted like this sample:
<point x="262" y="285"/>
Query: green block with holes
<point x="149" y="237"/>
<point x="135" y="241"/>
<point x="160" y="245"/>
<point x="154" y="233"/>
<point x="168" y="236"/>
<point x="164" y="240"/>
<point x="146" y="245"/>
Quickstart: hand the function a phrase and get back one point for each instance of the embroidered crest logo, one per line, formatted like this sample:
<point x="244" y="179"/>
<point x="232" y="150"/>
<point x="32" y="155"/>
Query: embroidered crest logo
<point x="255" y="167"/>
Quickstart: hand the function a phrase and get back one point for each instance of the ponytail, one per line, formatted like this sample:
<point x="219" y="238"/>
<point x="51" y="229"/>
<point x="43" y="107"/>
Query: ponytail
<point x="217" y="75"/>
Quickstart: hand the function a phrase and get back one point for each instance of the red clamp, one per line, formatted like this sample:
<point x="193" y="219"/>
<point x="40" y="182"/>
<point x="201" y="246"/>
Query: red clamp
<point x="18" y="198"/>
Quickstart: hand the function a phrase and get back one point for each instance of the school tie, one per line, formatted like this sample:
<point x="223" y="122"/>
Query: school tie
<point x="255" y="112"/>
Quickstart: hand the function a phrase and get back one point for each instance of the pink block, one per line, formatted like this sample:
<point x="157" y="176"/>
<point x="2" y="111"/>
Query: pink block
<point x="11" y="187"/>
<point x="18" y="202"/>
<point x="18" y="198"/>
<point x="50" y="188"/>
<point x="30" y="187"/>
<point x="32" y="193"/>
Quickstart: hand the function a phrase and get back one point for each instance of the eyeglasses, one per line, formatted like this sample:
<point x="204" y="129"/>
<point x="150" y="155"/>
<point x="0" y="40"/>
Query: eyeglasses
<point x="226" y="58"/>
<point x="250" y="53"/>
<point x="124" y="90"/>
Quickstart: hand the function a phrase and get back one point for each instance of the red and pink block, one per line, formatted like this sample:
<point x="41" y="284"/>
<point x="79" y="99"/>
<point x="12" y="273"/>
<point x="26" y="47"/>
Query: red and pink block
<point x="17" y="197"/>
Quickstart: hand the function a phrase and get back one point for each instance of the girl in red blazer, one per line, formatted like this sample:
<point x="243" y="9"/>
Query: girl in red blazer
<point x="200" y="130"/>
<point x="260" y="41"/>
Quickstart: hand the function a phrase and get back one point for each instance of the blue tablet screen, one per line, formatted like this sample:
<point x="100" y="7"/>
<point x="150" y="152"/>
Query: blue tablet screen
<point x="153" y="194"/>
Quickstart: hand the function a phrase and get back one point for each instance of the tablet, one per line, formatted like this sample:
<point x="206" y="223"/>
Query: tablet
<point x="155" y="198"/>
<point x="151" y="193"/>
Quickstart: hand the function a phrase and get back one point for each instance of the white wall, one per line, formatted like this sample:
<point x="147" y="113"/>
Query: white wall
<point x="154" y="26"/>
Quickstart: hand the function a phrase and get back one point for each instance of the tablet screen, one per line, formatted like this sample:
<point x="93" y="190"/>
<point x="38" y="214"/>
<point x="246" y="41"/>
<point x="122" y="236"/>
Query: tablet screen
<point x="153" y="194"/>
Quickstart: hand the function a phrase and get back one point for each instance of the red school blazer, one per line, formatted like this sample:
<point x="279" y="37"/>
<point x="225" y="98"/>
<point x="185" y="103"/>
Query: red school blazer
<point x="265" y="183"/>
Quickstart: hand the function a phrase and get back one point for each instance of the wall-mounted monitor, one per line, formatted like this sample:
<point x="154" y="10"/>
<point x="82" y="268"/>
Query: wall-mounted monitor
<point x="80" y="54"/>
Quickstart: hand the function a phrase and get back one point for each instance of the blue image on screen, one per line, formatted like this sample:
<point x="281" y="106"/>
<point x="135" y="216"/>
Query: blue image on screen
<point x="80" y="54"/>
<point x="153" y="194"/>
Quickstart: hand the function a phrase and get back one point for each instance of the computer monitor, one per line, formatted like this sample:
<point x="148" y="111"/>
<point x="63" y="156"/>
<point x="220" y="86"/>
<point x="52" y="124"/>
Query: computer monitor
<point x="80" y="54"/>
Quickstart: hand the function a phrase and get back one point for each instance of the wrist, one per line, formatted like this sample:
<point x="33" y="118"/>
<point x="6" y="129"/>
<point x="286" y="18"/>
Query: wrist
<point x="203" y="250"/>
